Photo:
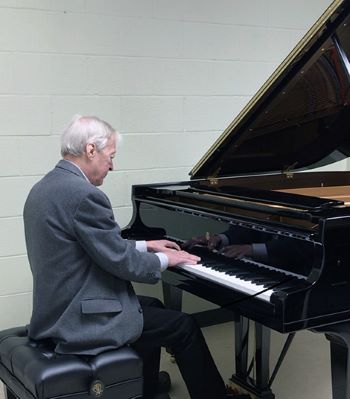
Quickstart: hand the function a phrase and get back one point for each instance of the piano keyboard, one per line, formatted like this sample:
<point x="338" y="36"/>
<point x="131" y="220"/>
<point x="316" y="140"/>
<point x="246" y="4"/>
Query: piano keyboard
<point x="258" y="282"/>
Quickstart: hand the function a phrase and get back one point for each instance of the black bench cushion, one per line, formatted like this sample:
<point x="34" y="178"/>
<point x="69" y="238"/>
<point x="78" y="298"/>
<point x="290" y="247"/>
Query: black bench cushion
<point x="33" y="369"/>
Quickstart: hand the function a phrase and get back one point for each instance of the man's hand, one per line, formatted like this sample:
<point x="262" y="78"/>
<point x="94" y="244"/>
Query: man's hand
<point x="237" y="251"/>
<point x="211" y="241"/>
<point x="173" y="252"/>
<point x="179" y="257"/>
<point x="161" y="245"/>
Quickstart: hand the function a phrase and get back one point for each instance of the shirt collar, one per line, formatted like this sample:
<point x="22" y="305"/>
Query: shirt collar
<point x="73" y="163"/>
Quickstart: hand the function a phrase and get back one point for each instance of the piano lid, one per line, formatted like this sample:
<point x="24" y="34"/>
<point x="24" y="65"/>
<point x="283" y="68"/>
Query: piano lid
<point x="300" y="118"/>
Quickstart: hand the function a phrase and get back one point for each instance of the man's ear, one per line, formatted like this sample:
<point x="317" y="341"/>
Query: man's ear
<point x="90" y="150"/>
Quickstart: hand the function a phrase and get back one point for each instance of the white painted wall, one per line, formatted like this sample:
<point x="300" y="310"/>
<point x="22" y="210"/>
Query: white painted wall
<point x="169" y="75"/>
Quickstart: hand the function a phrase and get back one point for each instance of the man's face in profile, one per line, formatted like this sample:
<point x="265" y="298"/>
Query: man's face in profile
<point x="102" y="161"/>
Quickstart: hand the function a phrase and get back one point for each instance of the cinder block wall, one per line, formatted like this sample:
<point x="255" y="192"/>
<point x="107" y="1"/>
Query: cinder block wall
<point x="169" y="75"/>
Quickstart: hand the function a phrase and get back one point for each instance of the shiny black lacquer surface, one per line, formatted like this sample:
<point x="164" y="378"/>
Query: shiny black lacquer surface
<point x="311" y="242"/>
<point x="253" y="185"/>
<point x="302" y="120"/>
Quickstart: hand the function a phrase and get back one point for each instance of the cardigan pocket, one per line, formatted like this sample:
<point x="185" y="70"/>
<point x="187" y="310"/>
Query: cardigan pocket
<point x="93" y="306"/>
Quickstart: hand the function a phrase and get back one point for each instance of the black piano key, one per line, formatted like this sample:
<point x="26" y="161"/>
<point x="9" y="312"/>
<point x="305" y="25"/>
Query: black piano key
<point x="243" y="269"/>
<point x="290" y="284"/>
<point x="266" y="283"/>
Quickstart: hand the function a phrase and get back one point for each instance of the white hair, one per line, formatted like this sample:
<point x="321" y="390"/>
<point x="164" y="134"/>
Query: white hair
<point x="85" y="130"/>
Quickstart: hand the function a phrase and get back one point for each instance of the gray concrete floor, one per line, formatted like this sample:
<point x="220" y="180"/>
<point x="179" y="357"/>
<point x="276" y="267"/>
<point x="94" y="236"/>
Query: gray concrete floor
<point x="305" y="373"/>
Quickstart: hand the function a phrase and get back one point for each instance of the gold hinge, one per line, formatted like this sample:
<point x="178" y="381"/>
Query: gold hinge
<point x="288" y="170"/>
<point x="288" y="174"/>
<point x="213" y="181"/>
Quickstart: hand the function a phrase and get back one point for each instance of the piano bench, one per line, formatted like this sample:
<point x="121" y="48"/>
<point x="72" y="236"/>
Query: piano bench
<point x="32" y="370"/>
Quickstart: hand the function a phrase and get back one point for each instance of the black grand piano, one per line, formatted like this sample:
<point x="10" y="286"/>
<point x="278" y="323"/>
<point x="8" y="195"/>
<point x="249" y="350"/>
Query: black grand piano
<point x="257" y="181"/>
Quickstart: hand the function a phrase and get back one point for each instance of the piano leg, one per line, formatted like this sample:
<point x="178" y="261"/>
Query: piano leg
<point x="259" y="387"/>
<point x="262" y="358"/>
<point x="172" y="296"/>
<point x="339" y="338"/>
<point x="241" y="347"/>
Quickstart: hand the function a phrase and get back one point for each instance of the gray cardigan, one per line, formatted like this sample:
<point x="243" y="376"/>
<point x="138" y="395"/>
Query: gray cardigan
<point x="82" y="296"/>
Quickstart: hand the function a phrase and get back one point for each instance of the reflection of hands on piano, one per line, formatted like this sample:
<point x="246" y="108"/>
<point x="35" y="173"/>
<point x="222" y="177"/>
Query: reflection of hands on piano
<point x="237" y="251"/>
<point x="220" y="243"/>
<point x="211" y="241"/>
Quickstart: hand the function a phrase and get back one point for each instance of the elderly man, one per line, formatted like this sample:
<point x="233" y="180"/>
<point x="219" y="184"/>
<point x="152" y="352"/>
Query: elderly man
<point x="83" y="299"/>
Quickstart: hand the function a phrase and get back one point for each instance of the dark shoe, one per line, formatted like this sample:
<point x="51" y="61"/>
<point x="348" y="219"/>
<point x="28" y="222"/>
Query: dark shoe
<point x="164" y="382"/>
<point x="232" y="393"/>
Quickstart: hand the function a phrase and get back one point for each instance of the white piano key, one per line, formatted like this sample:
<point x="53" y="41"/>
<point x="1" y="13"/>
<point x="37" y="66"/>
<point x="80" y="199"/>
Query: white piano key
<point x="233" y="282"/>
